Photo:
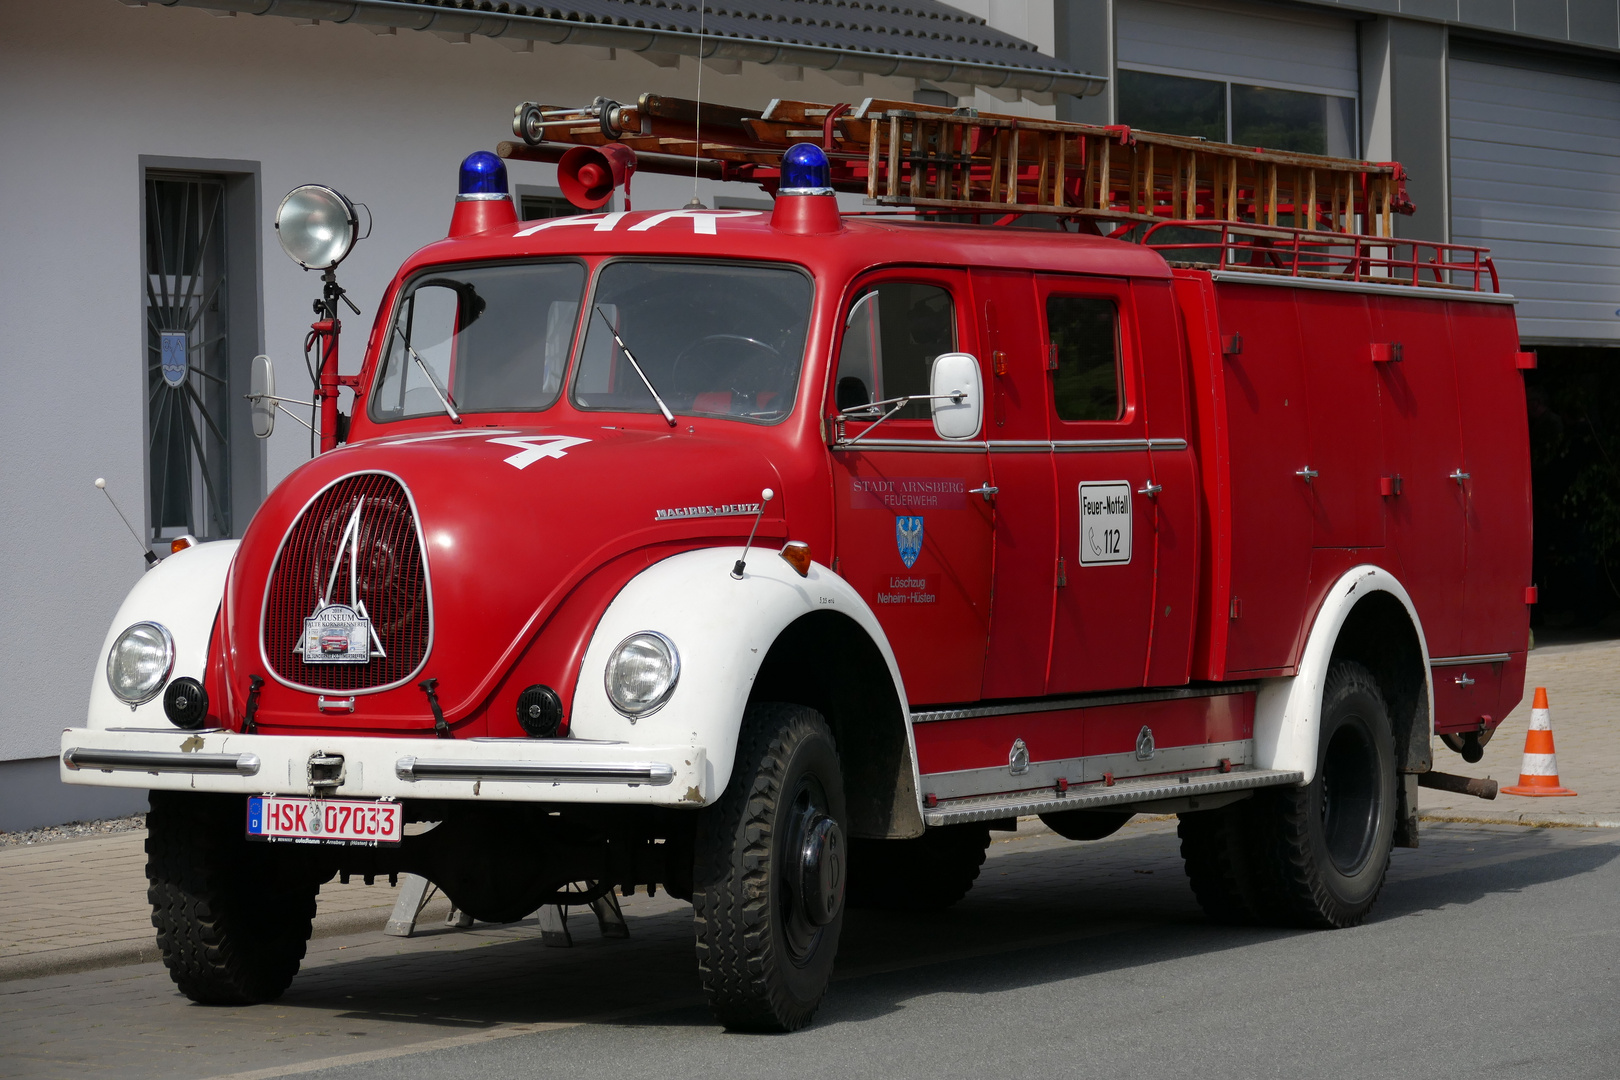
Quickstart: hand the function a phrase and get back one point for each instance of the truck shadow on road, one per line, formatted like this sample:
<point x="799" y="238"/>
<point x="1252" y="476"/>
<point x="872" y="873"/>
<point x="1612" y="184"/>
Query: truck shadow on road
<point x="1044" y="911"/>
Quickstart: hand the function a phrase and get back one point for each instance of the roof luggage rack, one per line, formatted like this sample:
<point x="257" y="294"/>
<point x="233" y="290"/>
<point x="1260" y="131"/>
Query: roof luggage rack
<point x="1234" y="207"/>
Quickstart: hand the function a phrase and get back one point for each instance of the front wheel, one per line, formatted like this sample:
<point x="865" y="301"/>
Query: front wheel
<point x="232" y="919"/>
<point x="770" y="866"/>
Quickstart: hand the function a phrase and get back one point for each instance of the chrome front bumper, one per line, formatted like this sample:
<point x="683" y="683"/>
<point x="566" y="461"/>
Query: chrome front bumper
<point x="500" y="770"/>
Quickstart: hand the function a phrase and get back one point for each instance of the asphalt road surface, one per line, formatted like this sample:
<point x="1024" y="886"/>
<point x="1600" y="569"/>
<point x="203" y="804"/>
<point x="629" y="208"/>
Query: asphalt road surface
<point x="1494" y="951"/>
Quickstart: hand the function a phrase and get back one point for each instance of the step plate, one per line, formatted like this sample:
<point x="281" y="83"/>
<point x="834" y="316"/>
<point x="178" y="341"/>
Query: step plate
<point x="1099" y="796"/>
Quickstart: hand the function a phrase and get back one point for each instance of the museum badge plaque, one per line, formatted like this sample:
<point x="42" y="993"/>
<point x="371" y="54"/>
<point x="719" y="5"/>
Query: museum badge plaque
<point x="342" y="633"/>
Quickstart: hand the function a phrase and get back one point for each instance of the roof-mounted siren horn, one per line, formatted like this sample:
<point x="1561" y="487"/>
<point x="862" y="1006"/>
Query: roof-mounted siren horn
<point x="805" y="202"/>
<point x="588" y="175"/>
<point x="483" y="201"/>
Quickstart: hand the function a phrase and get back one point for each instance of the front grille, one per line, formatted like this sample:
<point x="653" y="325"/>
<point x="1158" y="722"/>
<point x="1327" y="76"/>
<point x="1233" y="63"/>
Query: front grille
<point x="390" y="579"/>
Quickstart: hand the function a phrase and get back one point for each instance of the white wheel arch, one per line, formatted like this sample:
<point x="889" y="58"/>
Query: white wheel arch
<point x="722" y="628"/>
<point x="183" y="593"/>
<point x="1288" y="711"/>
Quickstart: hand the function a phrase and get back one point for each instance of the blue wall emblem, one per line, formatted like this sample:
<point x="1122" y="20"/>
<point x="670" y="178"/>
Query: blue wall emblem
<point x="174" y="347"/>
<point x="908" y="537"/>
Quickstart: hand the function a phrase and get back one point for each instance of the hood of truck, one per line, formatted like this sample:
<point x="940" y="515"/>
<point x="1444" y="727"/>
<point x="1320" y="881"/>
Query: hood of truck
<point x="466" y="540"/>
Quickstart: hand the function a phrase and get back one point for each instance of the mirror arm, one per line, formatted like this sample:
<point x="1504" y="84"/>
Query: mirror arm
<point x="273" y="397"/>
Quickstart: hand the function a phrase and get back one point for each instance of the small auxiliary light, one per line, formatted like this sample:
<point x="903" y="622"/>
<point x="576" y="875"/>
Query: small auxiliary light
<point x="805" y="171"/>
<point x="483" y="176"/>
<point x="180" y="543"/>
<point x="317" y="226"/>
<point x="797" y="555"/>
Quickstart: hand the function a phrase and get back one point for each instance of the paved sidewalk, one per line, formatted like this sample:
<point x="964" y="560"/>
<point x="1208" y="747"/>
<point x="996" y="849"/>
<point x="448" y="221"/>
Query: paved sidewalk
<point x="1583" y="691"/>
<point x="73" y="905"/>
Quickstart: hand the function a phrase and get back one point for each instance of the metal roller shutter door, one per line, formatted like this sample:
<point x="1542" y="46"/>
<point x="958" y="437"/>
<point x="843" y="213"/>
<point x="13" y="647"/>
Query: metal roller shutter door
<point x="1294" y="50"/>
<point x="1535" y="177"/>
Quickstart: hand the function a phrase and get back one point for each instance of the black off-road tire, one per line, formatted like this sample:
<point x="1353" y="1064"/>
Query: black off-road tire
<point x="928" y="873"/>
<point x="1322" y="850"/>
<point x="232" y="918"/>
<point x="764" y="968"/>
<point x="1218" y="851"/>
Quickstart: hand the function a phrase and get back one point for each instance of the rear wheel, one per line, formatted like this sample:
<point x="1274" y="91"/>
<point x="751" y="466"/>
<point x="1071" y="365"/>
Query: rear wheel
<point x="1307" y="856"/>
<point x="232" y="919"/>
<point x="768" y="895"/>
<point x="929" y="873"/>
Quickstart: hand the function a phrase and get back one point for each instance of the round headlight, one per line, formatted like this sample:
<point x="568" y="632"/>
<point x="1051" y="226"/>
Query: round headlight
<point x="140" y="662"/>
<point x="317" y="226"/>
<point x="641" y="673"/>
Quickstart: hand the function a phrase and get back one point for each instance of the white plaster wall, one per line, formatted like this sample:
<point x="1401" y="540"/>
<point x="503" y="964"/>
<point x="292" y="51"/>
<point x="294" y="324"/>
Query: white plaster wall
<point x="86" y="87"/>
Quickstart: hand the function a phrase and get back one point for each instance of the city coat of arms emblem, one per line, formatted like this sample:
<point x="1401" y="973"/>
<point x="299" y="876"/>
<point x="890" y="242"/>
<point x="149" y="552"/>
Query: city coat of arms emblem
<point x="908" y="537"/>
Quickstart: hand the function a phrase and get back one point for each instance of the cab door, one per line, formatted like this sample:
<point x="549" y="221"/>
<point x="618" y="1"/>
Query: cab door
<point x="1106" y="515"/>
<point x="913" y="526"/>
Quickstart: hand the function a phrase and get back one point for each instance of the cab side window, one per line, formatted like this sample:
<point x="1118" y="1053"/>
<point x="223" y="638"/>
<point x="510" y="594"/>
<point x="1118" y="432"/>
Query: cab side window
<point x="893" y="332"/>
<point x="1083" y="351"/>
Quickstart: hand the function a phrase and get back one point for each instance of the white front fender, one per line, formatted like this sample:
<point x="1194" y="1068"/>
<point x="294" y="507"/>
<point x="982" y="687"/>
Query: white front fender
<point x="182" y="593"/>
<point x="1288" y="712"/>
<point x="723" y="629"/>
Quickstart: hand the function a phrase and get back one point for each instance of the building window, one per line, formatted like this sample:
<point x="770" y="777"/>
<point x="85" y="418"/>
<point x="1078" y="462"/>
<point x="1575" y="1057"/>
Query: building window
<point x="1234" y="112"/>
<point x="188" y="379"/>
<point x="534" y="207"/>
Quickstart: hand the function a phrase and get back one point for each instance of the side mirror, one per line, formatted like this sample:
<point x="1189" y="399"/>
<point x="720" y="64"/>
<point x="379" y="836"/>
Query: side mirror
<point x="958" y="395"/>
<point x="262" y="396"/>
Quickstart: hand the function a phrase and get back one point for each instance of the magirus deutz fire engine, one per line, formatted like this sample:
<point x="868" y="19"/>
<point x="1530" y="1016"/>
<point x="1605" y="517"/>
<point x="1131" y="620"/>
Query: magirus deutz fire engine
<point x="779" y="557"/>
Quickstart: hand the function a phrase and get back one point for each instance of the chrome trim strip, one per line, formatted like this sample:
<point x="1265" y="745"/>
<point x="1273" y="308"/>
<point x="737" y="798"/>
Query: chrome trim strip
<point x="427" y="584"/>
<point x="1093" y="701"/>
<point x="1043" y="776"/>
<point x="156" y="761"/>
<point x="1459" y="661"/>
<point x="1099" y="796"/>
<point x="1014" y="445"/>
<point x="1422" y="291"/>
<point x="656" y="774"/>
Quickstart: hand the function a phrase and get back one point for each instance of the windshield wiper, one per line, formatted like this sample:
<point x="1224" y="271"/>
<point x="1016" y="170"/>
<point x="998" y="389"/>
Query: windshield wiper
<point x="628" y="355"/>
<point x="443" y="396"/>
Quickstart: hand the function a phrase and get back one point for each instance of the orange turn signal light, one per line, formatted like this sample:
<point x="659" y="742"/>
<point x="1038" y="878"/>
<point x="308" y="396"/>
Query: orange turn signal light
<point x="797" y="554"/>
<point x="180" y="543"/>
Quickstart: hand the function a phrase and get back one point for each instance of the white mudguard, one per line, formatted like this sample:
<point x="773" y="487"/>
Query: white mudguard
<point x="1288" y="712"/>
<point x="182" y="593"/>
<point x="722" y="628"/>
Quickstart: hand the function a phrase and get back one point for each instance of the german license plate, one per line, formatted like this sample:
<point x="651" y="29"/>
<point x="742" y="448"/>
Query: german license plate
<point x="298" y="819"/>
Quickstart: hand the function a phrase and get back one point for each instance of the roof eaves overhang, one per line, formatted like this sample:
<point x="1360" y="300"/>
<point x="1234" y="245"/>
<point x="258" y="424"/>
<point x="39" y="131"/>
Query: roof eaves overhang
<point x="419" y="16"/>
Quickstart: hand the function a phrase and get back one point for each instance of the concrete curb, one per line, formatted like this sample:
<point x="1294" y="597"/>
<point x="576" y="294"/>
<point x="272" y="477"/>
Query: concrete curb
<point x="1526" y="818"/>
<point x="108" y="954"/>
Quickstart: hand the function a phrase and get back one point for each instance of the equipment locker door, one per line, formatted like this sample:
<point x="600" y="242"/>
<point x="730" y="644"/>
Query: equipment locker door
<point x="1102" y="621"/>
<point x="913" y="526"/>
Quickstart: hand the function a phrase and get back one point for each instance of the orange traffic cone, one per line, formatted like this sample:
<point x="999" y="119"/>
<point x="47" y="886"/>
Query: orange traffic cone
<point x="1539" y="773"/>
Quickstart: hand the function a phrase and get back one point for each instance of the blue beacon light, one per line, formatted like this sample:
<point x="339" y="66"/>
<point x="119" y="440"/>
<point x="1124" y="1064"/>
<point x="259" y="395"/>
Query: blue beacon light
<point x="483" y="176"/>
<point x="805" y="171"/>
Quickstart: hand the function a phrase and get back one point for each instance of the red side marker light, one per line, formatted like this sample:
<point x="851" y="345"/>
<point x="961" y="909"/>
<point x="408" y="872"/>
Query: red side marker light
<point x="1524" y="361"/>
<point x="1530" y="594"/>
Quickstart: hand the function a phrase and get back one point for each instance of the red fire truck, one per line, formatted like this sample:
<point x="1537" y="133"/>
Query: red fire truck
<point x="753" y="553"/>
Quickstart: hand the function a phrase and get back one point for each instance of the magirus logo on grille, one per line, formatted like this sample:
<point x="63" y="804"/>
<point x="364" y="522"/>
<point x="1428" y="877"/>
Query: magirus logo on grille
<point x="342" y="633"/>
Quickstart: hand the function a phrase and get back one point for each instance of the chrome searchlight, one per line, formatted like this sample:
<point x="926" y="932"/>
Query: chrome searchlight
<point x="317" y="226"/>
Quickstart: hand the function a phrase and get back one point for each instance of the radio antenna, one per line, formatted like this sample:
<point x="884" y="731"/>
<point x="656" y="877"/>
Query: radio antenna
<point x="101" y="483"/>
<point x="697" y="114"/>
<point x="742" y="564"/>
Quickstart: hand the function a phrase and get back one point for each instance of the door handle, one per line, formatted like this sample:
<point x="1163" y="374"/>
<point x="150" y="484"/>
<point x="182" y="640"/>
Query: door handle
<point x="1458" y="475"/>
<point x="1307" y="474"/>
<point x="1150" y="489"/>
<point x="1464" y="680"/>
<point x="986" y="490"/>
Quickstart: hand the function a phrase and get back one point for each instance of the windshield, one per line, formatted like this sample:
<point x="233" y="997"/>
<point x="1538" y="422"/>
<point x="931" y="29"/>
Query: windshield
<point x="713" y="339"/>
<point x="490" y="339"/>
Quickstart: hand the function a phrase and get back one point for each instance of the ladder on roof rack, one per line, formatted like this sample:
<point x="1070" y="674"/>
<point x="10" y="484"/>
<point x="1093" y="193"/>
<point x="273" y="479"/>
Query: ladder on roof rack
<point x="905" y="154"/>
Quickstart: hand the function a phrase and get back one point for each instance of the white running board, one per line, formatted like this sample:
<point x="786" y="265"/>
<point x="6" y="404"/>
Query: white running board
<point x="1101" y="796"/>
